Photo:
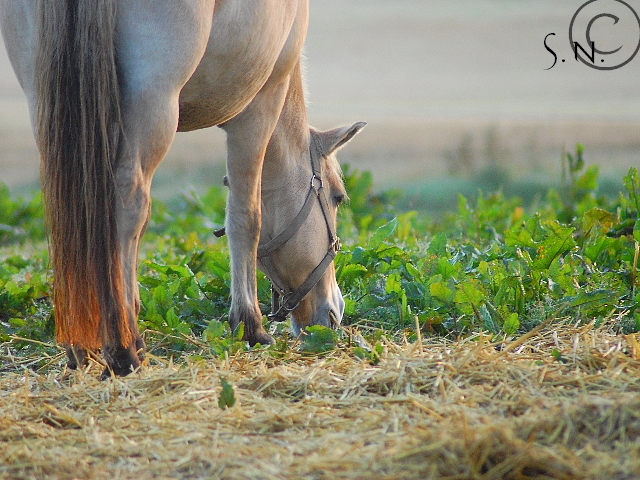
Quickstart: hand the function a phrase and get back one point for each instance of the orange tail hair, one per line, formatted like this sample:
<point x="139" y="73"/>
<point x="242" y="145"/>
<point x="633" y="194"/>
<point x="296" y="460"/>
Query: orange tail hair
<point x="78" y="129"/>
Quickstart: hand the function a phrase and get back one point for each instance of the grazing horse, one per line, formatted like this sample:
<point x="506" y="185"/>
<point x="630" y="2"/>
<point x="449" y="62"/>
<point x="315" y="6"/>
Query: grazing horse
<point x="108" y="83"/>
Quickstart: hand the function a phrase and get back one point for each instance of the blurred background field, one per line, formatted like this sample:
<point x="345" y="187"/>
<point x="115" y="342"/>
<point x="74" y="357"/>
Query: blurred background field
<point x="456" y="95"/>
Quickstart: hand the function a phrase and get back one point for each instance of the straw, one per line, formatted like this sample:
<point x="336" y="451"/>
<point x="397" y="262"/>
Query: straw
<point x="562" y="403"/>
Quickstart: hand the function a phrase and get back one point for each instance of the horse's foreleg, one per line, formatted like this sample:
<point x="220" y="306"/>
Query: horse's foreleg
<point x="247" y="137"/>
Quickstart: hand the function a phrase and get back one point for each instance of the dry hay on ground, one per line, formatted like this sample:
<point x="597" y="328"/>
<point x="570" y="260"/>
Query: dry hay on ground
<point x="455" y="410"/>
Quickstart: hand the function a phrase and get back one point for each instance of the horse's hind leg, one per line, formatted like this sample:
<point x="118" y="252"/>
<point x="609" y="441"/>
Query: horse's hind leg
<point x="154" y="70"/>
<point x="132" y="207"/>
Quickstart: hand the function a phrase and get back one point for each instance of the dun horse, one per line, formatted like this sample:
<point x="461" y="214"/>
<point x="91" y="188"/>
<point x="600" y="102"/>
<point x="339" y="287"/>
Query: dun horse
<point x="108" y="84"/>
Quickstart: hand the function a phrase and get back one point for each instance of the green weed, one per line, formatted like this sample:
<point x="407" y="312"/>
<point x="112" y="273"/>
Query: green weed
<point x="490" y="265"/>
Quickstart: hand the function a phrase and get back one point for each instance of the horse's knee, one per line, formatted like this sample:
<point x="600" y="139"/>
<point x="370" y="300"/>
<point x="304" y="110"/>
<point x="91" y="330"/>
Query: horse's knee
<point x="243" y="225"/>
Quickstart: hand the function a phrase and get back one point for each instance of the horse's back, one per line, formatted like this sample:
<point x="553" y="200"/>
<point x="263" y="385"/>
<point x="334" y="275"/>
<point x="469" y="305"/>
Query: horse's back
<point x="250" y="44"/>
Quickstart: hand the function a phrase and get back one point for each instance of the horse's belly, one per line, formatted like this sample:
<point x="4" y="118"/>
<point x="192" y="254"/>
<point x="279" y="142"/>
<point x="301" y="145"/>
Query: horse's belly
<point x="205" y="104"/>
<point x="249" y="42"/>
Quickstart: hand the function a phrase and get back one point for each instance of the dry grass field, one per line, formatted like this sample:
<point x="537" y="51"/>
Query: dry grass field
<point x="559" y="404"/>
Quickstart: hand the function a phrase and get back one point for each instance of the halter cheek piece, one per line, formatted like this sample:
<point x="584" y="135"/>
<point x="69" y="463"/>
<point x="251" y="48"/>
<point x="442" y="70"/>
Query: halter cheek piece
<point x="283" y="301"/>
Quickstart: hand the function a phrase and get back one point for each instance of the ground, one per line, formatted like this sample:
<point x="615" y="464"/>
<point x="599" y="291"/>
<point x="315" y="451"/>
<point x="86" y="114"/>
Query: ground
<point x="558" y="403"/>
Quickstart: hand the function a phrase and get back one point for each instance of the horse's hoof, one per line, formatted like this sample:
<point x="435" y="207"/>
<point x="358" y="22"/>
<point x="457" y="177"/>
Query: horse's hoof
<point x="254" y="332"/>
<point x="76" y="357"/>
<point x="263" y="338"/>
<point x="118" y="371"/>
<point x="121" y="361"/>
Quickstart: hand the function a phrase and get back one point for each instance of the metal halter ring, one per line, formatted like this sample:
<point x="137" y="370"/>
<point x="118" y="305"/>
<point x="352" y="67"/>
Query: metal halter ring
<point x="313" y="185"/>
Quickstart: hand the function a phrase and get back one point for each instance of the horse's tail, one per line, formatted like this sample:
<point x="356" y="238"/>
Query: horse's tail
<point x="78" y="129"/>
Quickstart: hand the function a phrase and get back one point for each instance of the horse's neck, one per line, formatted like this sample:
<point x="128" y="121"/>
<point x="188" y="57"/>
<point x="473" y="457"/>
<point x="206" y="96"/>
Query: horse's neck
<point x="287" y="151"/>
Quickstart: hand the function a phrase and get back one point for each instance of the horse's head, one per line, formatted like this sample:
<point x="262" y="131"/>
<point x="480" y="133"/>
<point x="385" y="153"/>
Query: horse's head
<point x="298" y="238"/>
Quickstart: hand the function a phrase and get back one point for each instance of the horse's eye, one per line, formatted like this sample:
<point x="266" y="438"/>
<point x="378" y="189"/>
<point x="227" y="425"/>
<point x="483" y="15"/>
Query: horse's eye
<point x="338" y="198"/>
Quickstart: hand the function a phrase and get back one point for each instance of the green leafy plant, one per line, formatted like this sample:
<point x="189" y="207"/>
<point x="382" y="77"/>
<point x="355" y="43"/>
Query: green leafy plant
<point x="227" y="398"/>
<point x="318" y="339"/>
<point x="488" y="265"/>
<point x="221" y="340"/>
<point x="20" y="219"/>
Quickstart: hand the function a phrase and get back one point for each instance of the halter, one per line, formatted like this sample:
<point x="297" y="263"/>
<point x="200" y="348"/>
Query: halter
<point x="283" y="301"/>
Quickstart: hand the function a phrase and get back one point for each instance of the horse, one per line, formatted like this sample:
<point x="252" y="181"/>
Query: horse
<point x="108" y="84"/>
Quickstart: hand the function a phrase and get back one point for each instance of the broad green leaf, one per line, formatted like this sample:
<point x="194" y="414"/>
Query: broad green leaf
<point x="393" y="284"/>
<point x="596" y="297"/>
<point x="17" y="322"/>
<point x="389" y="252"/>
<point x="319" y="339"/>
<point x="593" y="249"/>
<point x="446" y="269"/>
<point x="559" y="241"/>
<point x="440" y="291"/>
<point x="181" y="271"/>
<point x="483" y="268"/>
<point x="349" y="307"/>
<point x="227" y="397"/>
<point x="598" y="216"/>
<point x="358" y="255"/>
<point x="511" y="324"/>
<point x="469" y="292"/>
<point x="519" y="237"/>
<point x="488" y="321"/>
<point x="162" y="299"/>
<point x="413" y="271"/>
<point x="384" y="232"/>
<point x="350" y="272"/>
<point x="172" y="319"/>
<point x="413" y="290"/>
<point x="214" y="330"/>
<point x="438" y="245"/>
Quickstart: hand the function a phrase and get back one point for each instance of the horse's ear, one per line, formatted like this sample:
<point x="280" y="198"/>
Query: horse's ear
<point x="333" y="140"/>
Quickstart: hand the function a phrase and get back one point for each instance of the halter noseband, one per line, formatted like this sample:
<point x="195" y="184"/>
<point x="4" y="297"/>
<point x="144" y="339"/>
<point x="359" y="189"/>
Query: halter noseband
<point x="283" y="301"/>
